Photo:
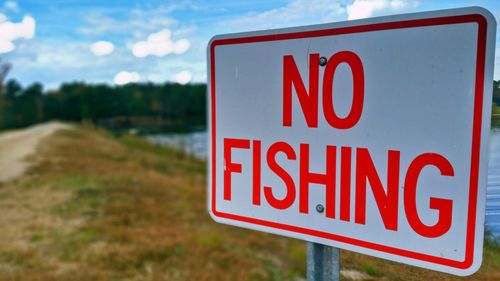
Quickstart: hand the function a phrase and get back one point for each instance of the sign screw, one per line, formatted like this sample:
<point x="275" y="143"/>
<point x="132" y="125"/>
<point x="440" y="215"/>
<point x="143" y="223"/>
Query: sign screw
<point x="320" y="208"/>
<point x="322" y="61"/>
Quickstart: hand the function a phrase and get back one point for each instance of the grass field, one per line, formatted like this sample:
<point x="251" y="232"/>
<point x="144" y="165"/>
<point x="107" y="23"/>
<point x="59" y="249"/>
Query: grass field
<point x="98" y="207"/>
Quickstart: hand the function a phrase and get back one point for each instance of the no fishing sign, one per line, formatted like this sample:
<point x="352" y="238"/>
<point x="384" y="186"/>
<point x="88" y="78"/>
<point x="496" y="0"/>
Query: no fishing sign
<point x="367" y="135"/>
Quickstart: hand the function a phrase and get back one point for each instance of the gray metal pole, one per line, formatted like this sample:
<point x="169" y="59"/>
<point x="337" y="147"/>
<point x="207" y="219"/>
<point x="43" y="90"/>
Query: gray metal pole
<point x="323" y="262"/>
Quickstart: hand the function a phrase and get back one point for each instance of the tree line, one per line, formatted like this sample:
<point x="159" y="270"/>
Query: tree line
<point x="141" y="105"/>
<point x="496" y="92"/>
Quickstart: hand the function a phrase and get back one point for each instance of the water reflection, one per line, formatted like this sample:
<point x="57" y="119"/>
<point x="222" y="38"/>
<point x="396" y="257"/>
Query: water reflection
<point x="493" y="192"/>
<point x="193" y="143"/>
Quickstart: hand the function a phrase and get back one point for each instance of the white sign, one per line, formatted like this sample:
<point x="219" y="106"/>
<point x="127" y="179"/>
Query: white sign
<point x="366" y="135"/>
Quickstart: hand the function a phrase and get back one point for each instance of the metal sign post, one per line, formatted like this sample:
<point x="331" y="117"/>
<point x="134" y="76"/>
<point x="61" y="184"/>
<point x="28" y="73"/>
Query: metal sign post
<point x="323" y="262"/>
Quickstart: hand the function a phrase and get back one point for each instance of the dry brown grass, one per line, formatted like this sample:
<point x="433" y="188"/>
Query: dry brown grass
<point x="100" y="208"/>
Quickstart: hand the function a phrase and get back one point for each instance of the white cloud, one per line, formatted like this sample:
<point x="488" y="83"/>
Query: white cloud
<point x="53" y="55"/>
<point x="181" y="46"/>
<point x="54" y="61"/>
<point x="100" y="24"/>
<point x="138" y="22"/>
<point x="102" y="48"/>
<point x="367" y="8"/>
<point x="160" y="44"/>
<point x="3" y="17"/>
<point x="9" y="32"/>
<point x="11" y="5"/>
<point x="297" y="12"/>
<point x="125" y="77"/>
<point x="182" y="77"/>
<point x="6" y="46"/>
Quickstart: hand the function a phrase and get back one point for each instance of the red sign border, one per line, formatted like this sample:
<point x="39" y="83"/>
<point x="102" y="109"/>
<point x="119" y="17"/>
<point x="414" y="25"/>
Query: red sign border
<point x="476" y="131"/>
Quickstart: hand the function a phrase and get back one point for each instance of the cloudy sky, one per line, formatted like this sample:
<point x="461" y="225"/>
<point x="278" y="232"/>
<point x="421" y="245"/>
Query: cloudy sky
<point x="116" y="41"/>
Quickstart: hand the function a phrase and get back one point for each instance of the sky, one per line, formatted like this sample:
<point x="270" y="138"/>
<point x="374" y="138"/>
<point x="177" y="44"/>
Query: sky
<point x="118" y="42"/>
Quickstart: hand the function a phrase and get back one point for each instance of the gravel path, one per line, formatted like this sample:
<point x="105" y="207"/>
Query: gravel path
<point x="16" y="145"/>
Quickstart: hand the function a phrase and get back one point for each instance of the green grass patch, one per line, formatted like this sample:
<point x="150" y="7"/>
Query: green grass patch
<point x="138" y="262"/>
<point x="371" y="270"/>
<point x="162" y="254"/>
<point x="70" y="245"/>
<point x="492" y="249"/>
<point x="209" y="239"/>
<point x="297" y="252"/>
<point x="19" y="261"/>
<point x="274" y="272"/>
<point x="85" y="201"/>
<point x="35" y="237"/>
<point x="74" y="181"/>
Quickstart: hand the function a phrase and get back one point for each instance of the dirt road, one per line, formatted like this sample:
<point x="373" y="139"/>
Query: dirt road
<point x="16" y="145"/>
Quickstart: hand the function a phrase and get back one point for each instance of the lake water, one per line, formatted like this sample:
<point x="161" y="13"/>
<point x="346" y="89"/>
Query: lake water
<point x="493" y="192"/>
<point x="196" y="144"/>
<point x="193" y="143"/>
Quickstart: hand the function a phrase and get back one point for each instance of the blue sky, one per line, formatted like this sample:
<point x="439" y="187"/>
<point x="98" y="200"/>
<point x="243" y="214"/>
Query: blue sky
<point x="111" y="41"/>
